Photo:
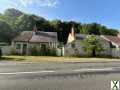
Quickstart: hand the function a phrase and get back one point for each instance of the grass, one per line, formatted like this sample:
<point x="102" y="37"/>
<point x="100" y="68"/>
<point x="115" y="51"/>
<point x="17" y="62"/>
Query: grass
<point x="7" y="58"/>
<point x="58" y="59"/>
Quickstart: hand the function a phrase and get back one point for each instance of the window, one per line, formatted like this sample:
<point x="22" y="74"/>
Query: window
<point x="43" y="47"/>
<point x="18" y="46"/>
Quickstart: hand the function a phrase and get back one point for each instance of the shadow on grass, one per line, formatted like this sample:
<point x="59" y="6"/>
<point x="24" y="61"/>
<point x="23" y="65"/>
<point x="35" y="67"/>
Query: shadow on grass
<point x="11" y="59"/>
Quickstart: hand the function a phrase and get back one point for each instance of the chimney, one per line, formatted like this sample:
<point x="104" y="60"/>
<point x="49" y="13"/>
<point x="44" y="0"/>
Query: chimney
<point x="73" y="31"/>
<point x="71" y="36"/>
<point x="35" y="30"/>
<point x="118" y="35"/>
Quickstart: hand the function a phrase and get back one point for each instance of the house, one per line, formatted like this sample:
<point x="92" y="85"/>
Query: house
<point x="74" y="47"/>
<point x="113" y="40"/>
<point x="38" y="39"/>
<point x="114" y="44"/>
<point x="44" y="41"/>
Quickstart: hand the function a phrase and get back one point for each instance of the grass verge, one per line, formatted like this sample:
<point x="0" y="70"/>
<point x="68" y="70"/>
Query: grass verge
<point x="58" y="59"/>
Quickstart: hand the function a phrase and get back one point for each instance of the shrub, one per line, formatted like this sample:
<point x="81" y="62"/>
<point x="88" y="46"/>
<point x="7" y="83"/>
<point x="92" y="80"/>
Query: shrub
<point x="0" y="52"/>
<point x="14" y="52"/>
<point x="33" y="51"/>
<point x="92" y="45"/>
<point x="42" y="52"/>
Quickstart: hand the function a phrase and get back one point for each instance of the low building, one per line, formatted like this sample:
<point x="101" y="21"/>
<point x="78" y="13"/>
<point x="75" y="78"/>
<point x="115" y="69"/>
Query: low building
<point x="74" y="47"/>
<point x="38" y="39"/>
<point x="114" y="44"/>
<point x="45" y="41"/>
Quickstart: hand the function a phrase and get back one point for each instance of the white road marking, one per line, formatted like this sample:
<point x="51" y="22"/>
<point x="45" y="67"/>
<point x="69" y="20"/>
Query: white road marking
<point x="52" y="71"/>
<point x="34" y="72"/>
<point x="101" y="69"/>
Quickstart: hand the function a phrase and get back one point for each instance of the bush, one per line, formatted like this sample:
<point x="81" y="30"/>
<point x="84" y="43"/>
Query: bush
<point x="0" y="52"/>
<point x="14" y="51"/>
<point x="42" y="52"/>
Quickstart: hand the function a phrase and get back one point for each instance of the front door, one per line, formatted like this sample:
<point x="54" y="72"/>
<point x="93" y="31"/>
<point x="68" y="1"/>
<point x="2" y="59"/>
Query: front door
<point x="24" y="49"/>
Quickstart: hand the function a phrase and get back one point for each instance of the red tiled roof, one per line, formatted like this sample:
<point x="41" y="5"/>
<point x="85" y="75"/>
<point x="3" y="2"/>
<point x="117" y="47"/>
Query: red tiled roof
<point x="113" y="39"/>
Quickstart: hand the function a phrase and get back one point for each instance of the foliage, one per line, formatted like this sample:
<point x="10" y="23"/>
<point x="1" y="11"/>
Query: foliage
<point x="0" y="52"/>
<point x="6" y="33"/>
<point x="14" y="21"/>
<point x="10" y="16"/>
<point x="42" y="52"/>
<point x="91" y="29"/>
<point x="92" y="45"/>
<point x="97" y="29"/>
<point x="14" y="51"/>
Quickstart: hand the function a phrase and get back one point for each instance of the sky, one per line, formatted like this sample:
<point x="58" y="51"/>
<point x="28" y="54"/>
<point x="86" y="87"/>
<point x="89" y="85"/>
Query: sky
<point x="105" y="12"/>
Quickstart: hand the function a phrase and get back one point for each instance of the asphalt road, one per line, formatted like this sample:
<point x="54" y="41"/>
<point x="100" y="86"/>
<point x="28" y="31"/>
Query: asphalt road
<point x="57" y="75"/>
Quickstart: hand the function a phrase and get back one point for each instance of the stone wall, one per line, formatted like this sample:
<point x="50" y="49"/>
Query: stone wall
<point x="76" y="49"/>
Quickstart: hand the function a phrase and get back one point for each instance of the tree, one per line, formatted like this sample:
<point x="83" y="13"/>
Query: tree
<point x="0" y="52"/>
<point x="6" y="33"/>
<point x="105" y="31"/>
<point x="56" y="24"/>
<point x="92" y="45"/>
<point x="97" y="29"/>
<point x="92" y="28"/>
<point x="60" y="28"/>
<point x="10" y="16"/>
<point x="26" y="23"/>
<point x="15" y="21"/>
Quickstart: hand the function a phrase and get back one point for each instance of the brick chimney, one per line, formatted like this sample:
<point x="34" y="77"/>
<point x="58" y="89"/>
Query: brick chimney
<point x="71" y="36"/>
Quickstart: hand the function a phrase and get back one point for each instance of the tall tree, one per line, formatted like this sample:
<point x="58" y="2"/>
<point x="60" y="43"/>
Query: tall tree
<point x="10" y="16"/>
<point x="6" y="33"/>
<point x="93" y="28"/>
<point x="19" y="21"/>
<point x="26" y="22"/>
<point x="105" y="31"/>
<point x="92" y="45"/>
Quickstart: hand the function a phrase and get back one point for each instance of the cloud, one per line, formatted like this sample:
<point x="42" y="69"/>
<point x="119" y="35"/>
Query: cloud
<point x="27" y="5"/>
<point x="41" y="3"/>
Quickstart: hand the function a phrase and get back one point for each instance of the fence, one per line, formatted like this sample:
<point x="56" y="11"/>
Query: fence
<point x="115" y="52"/>
<point x="6" y="50"/>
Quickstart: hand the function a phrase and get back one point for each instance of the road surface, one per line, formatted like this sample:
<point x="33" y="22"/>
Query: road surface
<point x="57" y="75"/>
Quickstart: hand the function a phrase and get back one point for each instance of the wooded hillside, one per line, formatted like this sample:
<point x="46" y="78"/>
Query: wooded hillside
<point x="13" y="21"/>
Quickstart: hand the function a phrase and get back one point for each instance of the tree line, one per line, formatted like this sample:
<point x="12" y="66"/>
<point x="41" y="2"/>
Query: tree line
<point x="13" y="21"/>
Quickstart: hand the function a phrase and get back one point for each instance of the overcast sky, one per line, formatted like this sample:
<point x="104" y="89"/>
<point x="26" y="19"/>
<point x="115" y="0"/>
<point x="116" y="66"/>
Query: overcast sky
<point x="106" y="12"/>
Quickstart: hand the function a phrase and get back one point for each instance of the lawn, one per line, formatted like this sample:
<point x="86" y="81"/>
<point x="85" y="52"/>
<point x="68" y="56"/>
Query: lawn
<point x="59" y="59"/>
